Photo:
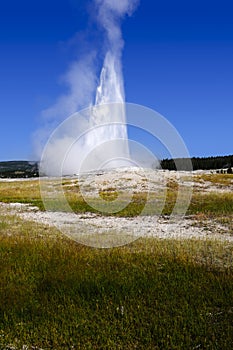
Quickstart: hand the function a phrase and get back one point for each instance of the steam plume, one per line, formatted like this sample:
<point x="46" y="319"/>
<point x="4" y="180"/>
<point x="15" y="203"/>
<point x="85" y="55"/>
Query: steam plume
<point x="84" y="91"/>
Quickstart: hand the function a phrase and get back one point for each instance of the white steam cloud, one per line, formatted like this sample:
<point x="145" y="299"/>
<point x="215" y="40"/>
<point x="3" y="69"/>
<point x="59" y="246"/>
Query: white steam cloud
<point x="80" y="80"/>
<point x="110" y="14"/>
<point x="85" y="91"/>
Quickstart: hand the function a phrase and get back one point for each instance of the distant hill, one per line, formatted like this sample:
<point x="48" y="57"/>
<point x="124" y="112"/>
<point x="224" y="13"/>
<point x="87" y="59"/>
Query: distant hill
<point x="18" y="169"/>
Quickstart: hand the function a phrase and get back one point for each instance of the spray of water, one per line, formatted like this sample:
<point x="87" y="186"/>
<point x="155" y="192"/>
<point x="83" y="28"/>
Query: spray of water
<point x="110" y="116"/>
<point x="108" y="92"/>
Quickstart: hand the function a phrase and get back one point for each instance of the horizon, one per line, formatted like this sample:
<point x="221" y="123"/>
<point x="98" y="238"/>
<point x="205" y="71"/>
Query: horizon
<point x="38" y="161"/>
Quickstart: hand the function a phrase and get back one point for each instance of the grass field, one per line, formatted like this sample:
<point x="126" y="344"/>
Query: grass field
<point x="151" y="294"/>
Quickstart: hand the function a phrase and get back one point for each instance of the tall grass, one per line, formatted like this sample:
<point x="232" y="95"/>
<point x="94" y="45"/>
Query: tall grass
<point x="153" y="294"/>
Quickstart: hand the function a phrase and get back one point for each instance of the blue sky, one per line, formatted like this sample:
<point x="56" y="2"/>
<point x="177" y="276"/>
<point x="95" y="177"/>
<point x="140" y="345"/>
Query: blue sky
<point x="177" y="60"/>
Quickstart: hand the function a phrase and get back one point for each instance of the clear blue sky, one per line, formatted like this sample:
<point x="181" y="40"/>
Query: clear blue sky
<point x="178" y="60"/>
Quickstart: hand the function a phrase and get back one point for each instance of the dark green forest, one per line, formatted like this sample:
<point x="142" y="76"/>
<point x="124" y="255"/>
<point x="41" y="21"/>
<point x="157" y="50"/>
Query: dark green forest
<point x="204" y="163"/>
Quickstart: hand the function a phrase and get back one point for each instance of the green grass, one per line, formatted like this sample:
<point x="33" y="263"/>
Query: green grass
<point x="152" y="294"/>
<point x="212" y="203"/>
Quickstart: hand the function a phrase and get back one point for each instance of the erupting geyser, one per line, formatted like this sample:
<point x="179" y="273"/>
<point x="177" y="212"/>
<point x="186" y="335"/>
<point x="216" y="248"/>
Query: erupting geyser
<point x="108" y="123"/>
<point x="97" y="138"/>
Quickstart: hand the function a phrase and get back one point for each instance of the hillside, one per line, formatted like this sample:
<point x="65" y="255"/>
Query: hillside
<point x="18" y="169"/>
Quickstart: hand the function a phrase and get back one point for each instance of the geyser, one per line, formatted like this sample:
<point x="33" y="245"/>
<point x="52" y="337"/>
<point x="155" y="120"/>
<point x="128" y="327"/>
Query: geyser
<point x="106" y="125"/>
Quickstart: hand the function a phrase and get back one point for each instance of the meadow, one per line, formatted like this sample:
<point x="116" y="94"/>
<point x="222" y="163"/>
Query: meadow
<point x="150" y="294"/>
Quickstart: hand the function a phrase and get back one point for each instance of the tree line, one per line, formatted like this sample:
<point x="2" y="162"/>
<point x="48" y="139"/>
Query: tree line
<point x="199" y="163"/>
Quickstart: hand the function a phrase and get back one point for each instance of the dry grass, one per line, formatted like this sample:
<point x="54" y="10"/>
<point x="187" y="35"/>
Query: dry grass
<point x="216" y="179"/>
<point x="19" y="190"/>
